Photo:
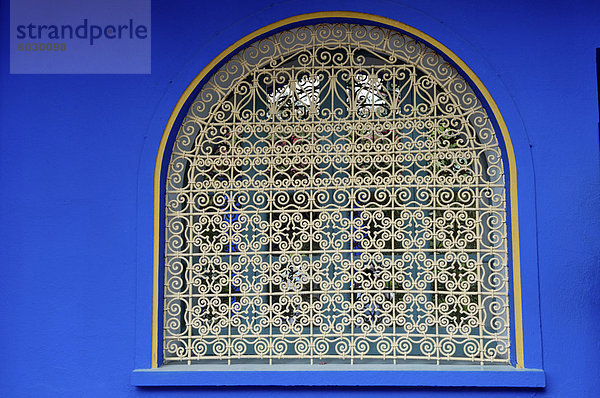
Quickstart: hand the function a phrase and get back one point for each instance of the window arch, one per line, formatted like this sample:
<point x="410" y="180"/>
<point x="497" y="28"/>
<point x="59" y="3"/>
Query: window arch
<point x="336" y="193"/>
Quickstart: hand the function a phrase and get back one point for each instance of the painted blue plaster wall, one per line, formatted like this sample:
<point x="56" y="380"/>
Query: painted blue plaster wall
<point x="74" y="156"/>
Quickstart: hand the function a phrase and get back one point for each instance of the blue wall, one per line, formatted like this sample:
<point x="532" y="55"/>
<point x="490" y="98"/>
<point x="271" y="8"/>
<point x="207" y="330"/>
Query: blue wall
<point x="76" y="165"/>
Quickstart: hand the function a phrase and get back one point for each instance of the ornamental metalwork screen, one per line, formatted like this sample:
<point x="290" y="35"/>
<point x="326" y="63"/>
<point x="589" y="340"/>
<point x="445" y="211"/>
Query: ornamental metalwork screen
<point x="336" y="194"/>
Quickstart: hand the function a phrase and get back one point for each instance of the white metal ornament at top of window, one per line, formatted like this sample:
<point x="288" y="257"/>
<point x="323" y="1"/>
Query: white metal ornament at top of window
<point x="336" y="194"/>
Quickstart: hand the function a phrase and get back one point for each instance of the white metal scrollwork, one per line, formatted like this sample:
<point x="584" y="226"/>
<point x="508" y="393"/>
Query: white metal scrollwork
<point x="336" y="193"/>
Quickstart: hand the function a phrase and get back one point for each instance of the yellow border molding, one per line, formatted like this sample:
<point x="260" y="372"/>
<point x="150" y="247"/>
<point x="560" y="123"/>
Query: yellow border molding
<point x="367" y="18"/>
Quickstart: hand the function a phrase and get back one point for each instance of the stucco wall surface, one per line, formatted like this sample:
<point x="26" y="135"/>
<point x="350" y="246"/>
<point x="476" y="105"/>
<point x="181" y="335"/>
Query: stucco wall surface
<point x="77" y="155"/>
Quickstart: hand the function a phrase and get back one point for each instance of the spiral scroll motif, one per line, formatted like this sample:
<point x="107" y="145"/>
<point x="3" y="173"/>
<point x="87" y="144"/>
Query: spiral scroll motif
<point x="336" y="194"/>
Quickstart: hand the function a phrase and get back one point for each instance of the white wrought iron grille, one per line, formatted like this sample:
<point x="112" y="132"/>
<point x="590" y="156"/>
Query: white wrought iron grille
<point x="336" y="194"/>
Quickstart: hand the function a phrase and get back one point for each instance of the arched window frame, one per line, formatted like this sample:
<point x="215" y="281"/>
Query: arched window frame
<point x="520" y="374"/>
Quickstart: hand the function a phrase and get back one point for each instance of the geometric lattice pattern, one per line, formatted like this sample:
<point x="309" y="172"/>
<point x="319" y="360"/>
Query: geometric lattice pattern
<point x="336" y="194"/>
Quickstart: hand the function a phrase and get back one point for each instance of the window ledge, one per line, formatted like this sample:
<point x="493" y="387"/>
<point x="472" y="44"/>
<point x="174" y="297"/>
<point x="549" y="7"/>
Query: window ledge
<point x="339" y="375"/>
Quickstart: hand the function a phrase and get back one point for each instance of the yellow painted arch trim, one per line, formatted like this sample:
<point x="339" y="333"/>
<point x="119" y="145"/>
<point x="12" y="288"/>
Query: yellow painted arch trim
<point x="367" y="18"/>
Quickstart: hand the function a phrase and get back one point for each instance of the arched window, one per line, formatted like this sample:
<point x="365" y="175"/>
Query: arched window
<point x="336" y="194"/>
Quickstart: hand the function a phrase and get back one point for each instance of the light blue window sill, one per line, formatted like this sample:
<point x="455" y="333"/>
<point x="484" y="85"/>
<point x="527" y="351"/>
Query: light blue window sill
<point x="339" y="375"/>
